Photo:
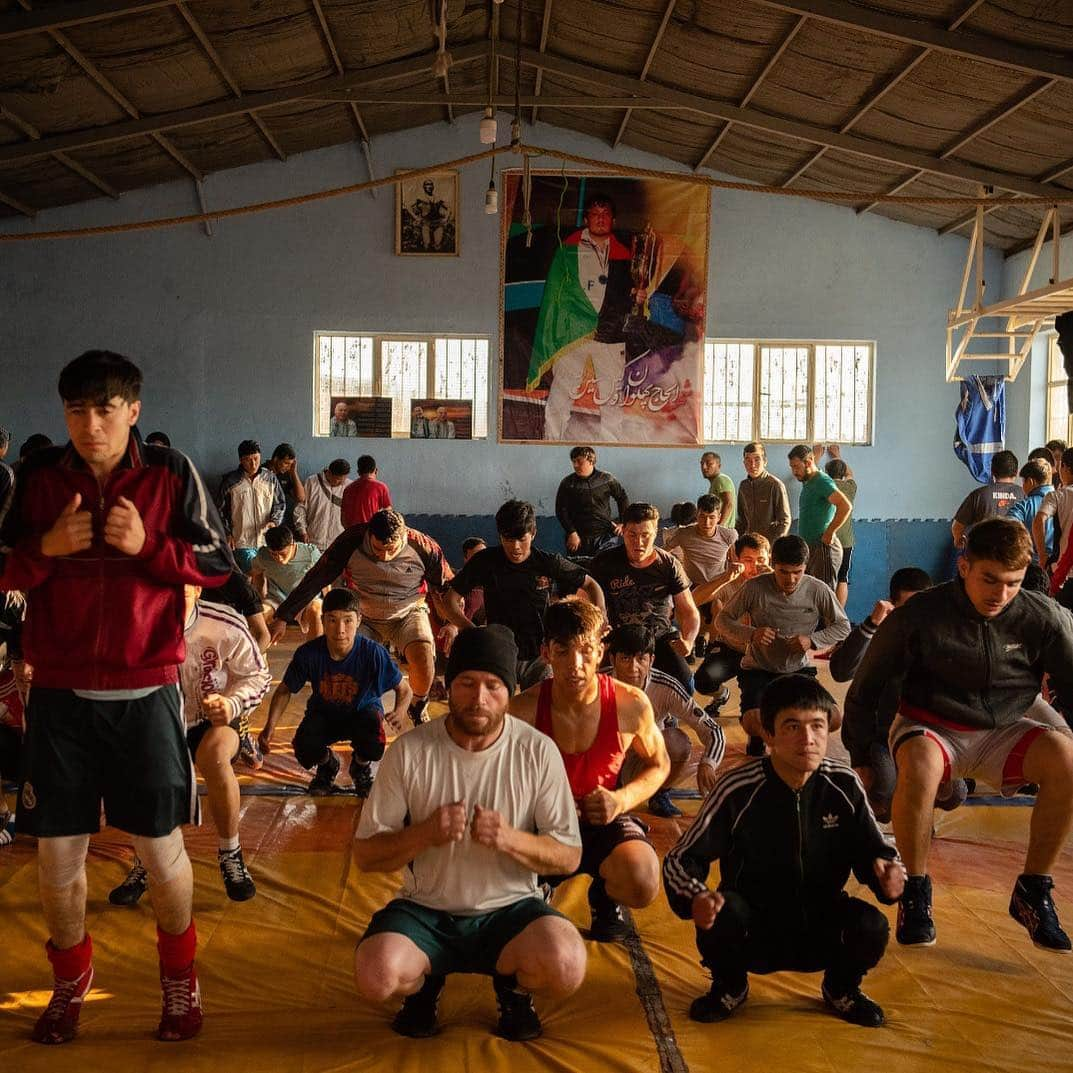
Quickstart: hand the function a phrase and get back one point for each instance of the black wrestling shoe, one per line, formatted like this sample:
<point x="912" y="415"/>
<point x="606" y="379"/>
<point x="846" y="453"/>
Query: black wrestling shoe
<point x="608" y="921"/>
<point x="700" y="648"/>
<point x="237" y="879"/>
<point x="362" y="772"/>
<point x="418" y="712"/>
<point x="132" y="888"/>
<point x="915" y="926"/>
<point x="755" y="747"/>
<point x="417" y="1017"/>
<point x="957" y="791"/>
<point x="717" y="702"/>
<point x="720" y="1002"/>
<point x="660" y="804"/>
<point x="854" y="1006"/>
<point x="1032" y="906"/>
<point x="324" y="778"/>
<point x="518" y="1020"/>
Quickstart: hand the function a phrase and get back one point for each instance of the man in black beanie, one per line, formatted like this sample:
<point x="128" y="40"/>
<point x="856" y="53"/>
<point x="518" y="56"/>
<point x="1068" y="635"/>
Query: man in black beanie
<point x="476" y="805"/>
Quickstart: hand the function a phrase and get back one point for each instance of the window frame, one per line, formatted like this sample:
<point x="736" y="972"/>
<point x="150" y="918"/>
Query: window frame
<point x="810" y="345"/>
<point x="378" y="338"/>
<point x="1058" y="382"/>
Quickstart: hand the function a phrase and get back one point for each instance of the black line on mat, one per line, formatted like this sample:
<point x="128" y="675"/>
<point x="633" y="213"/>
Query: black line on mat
<point x="651" y="996"/>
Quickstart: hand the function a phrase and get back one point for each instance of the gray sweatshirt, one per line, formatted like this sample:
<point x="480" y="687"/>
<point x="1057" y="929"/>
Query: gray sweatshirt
<point x="810" y="609"/>
<point x="763" y="507"/>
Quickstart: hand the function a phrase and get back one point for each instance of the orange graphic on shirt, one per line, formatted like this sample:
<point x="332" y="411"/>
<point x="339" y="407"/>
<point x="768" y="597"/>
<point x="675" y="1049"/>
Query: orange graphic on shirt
<point x="338" y="688"/>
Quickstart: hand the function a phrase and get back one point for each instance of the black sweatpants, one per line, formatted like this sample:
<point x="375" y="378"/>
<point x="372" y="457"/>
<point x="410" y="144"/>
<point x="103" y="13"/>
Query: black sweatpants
<point x="845" y="939"/>
<point x="320" y="729"/>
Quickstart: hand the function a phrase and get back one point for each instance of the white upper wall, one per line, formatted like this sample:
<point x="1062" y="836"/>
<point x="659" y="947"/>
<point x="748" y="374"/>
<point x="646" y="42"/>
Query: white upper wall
<point x="223" y="327"/>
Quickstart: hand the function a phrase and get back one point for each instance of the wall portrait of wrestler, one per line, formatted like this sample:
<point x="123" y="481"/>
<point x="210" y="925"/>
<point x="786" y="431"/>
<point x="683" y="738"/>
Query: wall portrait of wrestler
<point x="603" y="299"/>
<point x="426" y="215"/>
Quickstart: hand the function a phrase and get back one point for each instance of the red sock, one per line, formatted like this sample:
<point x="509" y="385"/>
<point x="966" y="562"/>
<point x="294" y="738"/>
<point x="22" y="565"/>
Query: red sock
<point x="69" y="964"/>
<point x="176" y="951"/>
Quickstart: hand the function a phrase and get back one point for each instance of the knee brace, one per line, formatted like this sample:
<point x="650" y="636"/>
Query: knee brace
<point x="163" y="857"/>
<point x="61" y="861"/>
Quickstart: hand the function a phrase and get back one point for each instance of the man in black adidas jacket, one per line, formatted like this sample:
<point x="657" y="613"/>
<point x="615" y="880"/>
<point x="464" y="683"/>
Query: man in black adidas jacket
<point x="786" y="830"/>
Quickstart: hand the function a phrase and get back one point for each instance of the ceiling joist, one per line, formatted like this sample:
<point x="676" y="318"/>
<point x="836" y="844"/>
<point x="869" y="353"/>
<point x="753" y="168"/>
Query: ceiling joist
<point x="61" y="16"/>
<point x="653" y="48"/>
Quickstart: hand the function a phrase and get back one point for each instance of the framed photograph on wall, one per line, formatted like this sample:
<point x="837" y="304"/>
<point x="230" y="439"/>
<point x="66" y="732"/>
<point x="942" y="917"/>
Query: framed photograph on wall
<point x="441" y="419"/>
<point x="426" y="216"/>
<point x="368" y="415"/>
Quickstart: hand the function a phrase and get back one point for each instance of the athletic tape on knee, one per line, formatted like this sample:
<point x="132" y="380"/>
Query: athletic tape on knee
<point x="61" y="861"/>
<point x="163" y="857"/>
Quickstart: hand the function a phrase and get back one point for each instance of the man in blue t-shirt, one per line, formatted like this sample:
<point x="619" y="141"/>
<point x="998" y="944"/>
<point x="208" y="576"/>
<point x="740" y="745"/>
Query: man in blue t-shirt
<point x="348" y="675"/>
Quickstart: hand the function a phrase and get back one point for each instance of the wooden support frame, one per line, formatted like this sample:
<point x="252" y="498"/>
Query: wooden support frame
<point x="653" y="48"/>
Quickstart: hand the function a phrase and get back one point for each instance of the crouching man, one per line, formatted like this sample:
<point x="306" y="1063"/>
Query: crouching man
<point x="786" y="830"/>
<point x="474" y="806"/>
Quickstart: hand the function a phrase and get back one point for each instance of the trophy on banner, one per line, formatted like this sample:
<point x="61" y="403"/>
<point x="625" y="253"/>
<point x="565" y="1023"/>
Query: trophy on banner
<point x="645" y="250"/>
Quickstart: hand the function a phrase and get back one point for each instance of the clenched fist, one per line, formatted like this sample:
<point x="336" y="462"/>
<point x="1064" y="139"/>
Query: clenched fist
<point x="490" y="829"/>
<point x="600" y="807"/>
<point x="706" y="908"/>
<point x="123" y="527"/>
<point x="71" y="532"/>
<point x="447" y="824"/>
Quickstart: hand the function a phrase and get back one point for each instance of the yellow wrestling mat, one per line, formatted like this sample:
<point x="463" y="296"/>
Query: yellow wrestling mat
<point x="278" y="995"/>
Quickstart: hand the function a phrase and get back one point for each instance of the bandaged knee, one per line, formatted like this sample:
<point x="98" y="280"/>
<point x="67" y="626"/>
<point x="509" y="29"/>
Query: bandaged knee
<point x="164" y="858"/>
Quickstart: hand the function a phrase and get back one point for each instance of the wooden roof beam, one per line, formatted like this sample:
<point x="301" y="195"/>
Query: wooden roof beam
<point x="337" y="62"/>
<point x="869" y="148"/>
<point x="969" y="45"/>
<point x="61" y="16"/>
<point x="250" y="102"/>
<point x="545" y="27"/>
<point x="18" y="206"/>
<point x="765" y="71"/>
<point x="668" y="12"/>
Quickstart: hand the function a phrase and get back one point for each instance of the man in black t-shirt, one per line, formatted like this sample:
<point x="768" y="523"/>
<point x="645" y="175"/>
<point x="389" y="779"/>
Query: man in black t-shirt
<point x="583" y="505"/>
<point x="517" y="582"/>
<point x="647" y="586"/>
<point x="991" y="499"/>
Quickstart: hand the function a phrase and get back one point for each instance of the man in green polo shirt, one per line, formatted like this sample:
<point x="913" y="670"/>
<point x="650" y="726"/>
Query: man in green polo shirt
<point x="821" y="512"/>
<point x="720" y="486"/>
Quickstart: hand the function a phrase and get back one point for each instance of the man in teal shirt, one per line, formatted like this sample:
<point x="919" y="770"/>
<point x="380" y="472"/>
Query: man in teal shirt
<point x="821" y="512"/>
<point x="1036" y="479"/>
<point x="720" y="486"/>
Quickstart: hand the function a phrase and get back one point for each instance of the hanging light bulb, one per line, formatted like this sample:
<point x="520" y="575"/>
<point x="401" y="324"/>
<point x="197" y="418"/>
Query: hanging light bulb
<point x="491" y="199"/>
<point x="489" y="128"/>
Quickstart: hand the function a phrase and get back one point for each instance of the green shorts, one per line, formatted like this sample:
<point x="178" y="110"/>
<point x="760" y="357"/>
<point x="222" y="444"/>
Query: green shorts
<point x="457" y="943"/>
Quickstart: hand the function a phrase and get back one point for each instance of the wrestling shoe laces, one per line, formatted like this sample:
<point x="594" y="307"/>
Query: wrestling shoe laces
<point x="180" y="1017"/>
<point x="237" y="879"/>
<point x="1033" y="907"/>
<point x="132" y="888"/>
<point x="59" y="1022"/>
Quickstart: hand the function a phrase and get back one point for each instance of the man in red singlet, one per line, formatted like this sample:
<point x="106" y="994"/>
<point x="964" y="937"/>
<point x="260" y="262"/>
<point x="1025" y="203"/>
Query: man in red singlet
<point x="595" y="720"/>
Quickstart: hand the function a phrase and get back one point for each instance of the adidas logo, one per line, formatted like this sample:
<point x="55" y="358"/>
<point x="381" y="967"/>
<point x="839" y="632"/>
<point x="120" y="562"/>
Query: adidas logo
<point x="1013" y="647"/>
<point x="830" y="821"/>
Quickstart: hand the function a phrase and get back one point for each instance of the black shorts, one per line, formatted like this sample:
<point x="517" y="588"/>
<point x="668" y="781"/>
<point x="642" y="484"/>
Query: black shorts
<point x="847" y="561"/>
<point x="753" y="682"/>
<point x="195" y="735"/>
<point x="10" y="752"/>
<point x="130" y="754"/>
<point x="458" y="943"/>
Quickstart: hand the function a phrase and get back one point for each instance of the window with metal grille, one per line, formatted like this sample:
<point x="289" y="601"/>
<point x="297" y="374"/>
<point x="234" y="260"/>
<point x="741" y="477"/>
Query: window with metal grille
<point x="791" y="392"/>
<point x="403" y="367"/>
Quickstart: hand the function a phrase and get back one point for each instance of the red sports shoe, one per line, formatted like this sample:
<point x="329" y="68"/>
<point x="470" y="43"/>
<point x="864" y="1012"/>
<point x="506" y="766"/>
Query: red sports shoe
<point x="180" y="1017"/>
<point x="59" y="1022"/>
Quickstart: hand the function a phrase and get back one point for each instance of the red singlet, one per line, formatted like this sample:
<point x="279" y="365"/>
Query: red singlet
<point x="599" y="764"/>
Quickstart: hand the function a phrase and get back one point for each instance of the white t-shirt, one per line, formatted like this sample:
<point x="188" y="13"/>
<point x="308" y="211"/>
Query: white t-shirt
<point x="521" y="776"/>
<point x="593" y="262"/>
<point x="1059" y="504"/>
<point x="323" y="510"/>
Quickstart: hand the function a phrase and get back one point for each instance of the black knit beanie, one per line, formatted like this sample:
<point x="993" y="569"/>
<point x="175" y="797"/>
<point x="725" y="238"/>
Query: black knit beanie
<point x="484" y="648"/>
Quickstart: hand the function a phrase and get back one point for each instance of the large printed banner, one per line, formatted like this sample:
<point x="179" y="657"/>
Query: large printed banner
<point x="603" y="310"/>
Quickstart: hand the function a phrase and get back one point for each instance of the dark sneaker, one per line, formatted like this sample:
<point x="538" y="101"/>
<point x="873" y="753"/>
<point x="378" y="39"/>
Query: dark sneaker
<point x="59" y="1022"/>
<point x="1032" y="906"/>
<point x="518" y="1020"/>
<point x="180" y="1016"/>
<point x="660" y="804"/>
<point x="700" y="648"/>
<point x="856" y="1007"/>
<point x="608" y="921"/>
<point x="952" y="795"/>
<point x="718" y="1004"/>
<point x="418" y="712"/>
<point x="417" y="1017"/>
<point x="237" y="879"/>
<point x="915" y="926"/>
<point x="132" y="888"/>
<point x="717" y="702"/>
<point x="249" y="753"/>
<point x="755" y="747"/>
<point x="324" y="778"/>
<point x="362" y="772"/>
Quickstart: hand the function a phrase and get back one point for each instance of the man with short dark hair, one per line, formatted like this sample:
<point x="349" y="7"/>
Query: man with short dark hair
<point x="989" y="500"/>
<point x="1057" y="507"/>
<point x="778" y="619"/>
<point x="277" y="569"/>
<point x="472" y="808"/>
<point x="583" y="505"/>
<point x="390" y="566"/>
<point x="284" y="464"/>
<point x="822" y="510"/>
<point x="763" y="503"/>
<point x="787" y="831"/>
<point x="968" y="658"/>
<point x="721" y="487"/>
<point x="647" y="586"/>
<point x="517" y="580"/>
<point x="1057" y="449"/>
<point x="348" y="676"/>
<point x="251" y="500"/>
<point x="365" y="496"/>
<point x="596" y="722"/>
<point x="324" y="503"/>
<point x="705" y="544"/>
<point x="1036" y="482"/>
<point x="101" y="535"/>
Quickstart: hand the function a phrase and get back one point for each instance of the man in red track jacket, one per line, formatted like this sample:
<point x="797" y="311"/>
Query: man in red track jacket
<point x="101" y="535"/>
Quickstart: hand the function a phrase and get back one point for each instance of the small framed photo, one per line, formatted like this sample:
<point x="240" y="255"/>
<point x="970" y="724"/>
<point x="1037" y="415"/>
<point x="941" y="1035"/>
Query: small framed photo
<point x="441" y="419"/>
<point x="426" y="216"/>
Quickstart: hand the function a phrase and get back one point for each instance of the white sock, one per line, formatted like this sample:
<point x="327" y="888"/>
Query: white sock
<point x="228" y="845"/>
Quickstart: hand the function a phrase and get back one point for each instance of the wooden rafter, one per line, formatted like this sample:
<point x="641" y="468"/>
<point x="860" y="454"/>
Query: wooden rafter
<point x="61" y="16"/>
<point x="337" y="62"/>
<point x="18" y="206"/>
<point x="648" y="64"/>
<point x="764" y="72"/>
<point x="545" y="27"/>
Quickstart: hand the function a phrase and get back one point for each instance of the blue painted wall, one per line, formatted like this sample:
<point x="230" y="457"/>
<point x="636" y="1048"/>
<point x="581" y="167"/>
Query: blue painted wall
<point x="223" y="327"/>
